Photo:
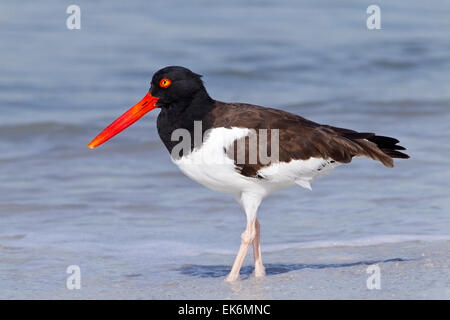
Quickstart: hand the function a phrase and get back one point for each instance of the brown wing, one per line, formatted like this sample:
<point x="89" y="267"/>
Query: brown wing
<point x="301" y="139"/>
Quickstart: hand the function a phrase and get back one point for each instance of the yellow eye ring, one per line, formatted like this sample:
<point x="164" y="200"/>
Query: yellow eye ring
<point x="165" y="83"/>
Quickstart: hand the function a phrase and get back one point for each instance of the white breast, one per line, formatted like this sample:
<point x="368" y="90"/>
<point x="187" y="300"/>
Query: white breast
<point x="210" y="166"/>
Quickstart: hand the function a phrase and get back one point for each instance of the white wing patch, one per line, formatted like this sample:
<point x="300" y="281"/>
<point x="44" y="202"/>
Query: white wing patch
<point x="301" y="172"/>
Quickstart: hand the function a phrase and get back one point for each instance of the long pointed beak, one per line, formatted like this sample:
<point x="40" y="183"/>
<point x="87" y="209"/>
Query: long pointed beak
<point x="136" y="112"/>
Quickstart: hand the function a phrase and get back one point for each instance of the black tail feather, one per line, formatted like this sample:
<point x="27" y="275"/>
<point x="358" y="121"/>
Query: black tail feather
<point x="389" y="146"/>
<point x="395" y="154"/>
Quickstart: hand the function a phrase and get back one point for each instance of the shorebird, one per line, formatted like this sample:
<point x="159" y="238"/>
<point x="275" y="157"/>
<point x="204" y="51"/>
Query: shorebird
<point x="305" y="149"/>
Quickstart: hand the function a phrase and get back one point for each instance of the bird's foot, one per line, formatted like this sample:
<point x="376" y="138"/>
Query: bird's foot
<point x="260" y="271"/>
<point x="231" y="277"/>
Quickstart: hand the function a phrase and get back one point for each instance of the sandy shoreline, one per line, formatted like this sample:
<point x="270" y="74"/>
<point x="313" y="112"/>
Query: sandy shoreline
<point x="408" y="270"/>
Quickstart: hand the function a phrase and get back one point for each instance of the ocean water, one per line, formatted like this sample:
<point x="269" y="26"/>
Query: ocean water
<point x="138" y="228"/>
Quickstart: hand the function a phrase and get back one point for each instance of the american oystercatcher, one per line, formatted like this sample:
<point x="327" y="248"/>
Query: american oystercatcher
<point x="226" y="159"/>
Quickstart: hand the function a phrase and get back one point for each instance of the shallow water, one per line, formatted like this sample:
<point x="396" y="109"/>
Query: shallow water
<point x="137" y="227"/>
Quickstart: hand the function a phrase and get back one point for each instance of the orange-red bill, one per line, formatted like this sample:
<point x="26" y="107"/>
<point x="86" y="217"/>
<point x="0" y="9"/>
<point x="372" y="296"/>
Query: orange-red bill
<point x="136" y="112"/>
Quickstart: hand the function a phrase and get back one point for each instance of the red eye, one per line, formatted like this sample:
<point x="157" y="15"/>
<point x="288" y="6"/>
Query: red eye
<point x="164" y="83"/>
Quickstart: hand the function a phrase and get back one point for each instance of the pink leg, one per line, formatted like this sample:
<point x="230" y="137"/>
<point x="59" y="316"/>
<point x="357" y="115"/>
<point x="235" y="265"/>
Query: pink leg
<point x="259" y="267"/>
<point x="247" y="238"/>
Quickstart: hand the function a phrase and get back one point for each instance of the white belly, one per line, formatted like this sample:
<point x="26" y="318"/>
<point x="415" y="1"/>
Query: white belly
<point x="210" y="166"/>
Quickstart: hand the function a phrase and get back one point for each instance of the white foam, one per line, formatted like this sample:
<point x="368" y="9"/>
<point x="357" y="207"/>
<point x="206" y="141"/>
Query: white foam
<point x="358" y="242"/>
<point x="182" y="248"/>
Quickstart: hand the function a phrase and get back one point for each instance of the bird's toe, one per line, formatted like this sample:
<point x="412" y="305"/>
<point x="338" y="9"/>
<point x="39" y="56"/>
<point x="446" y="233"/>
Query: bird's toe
<point x="231" y="277"/>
